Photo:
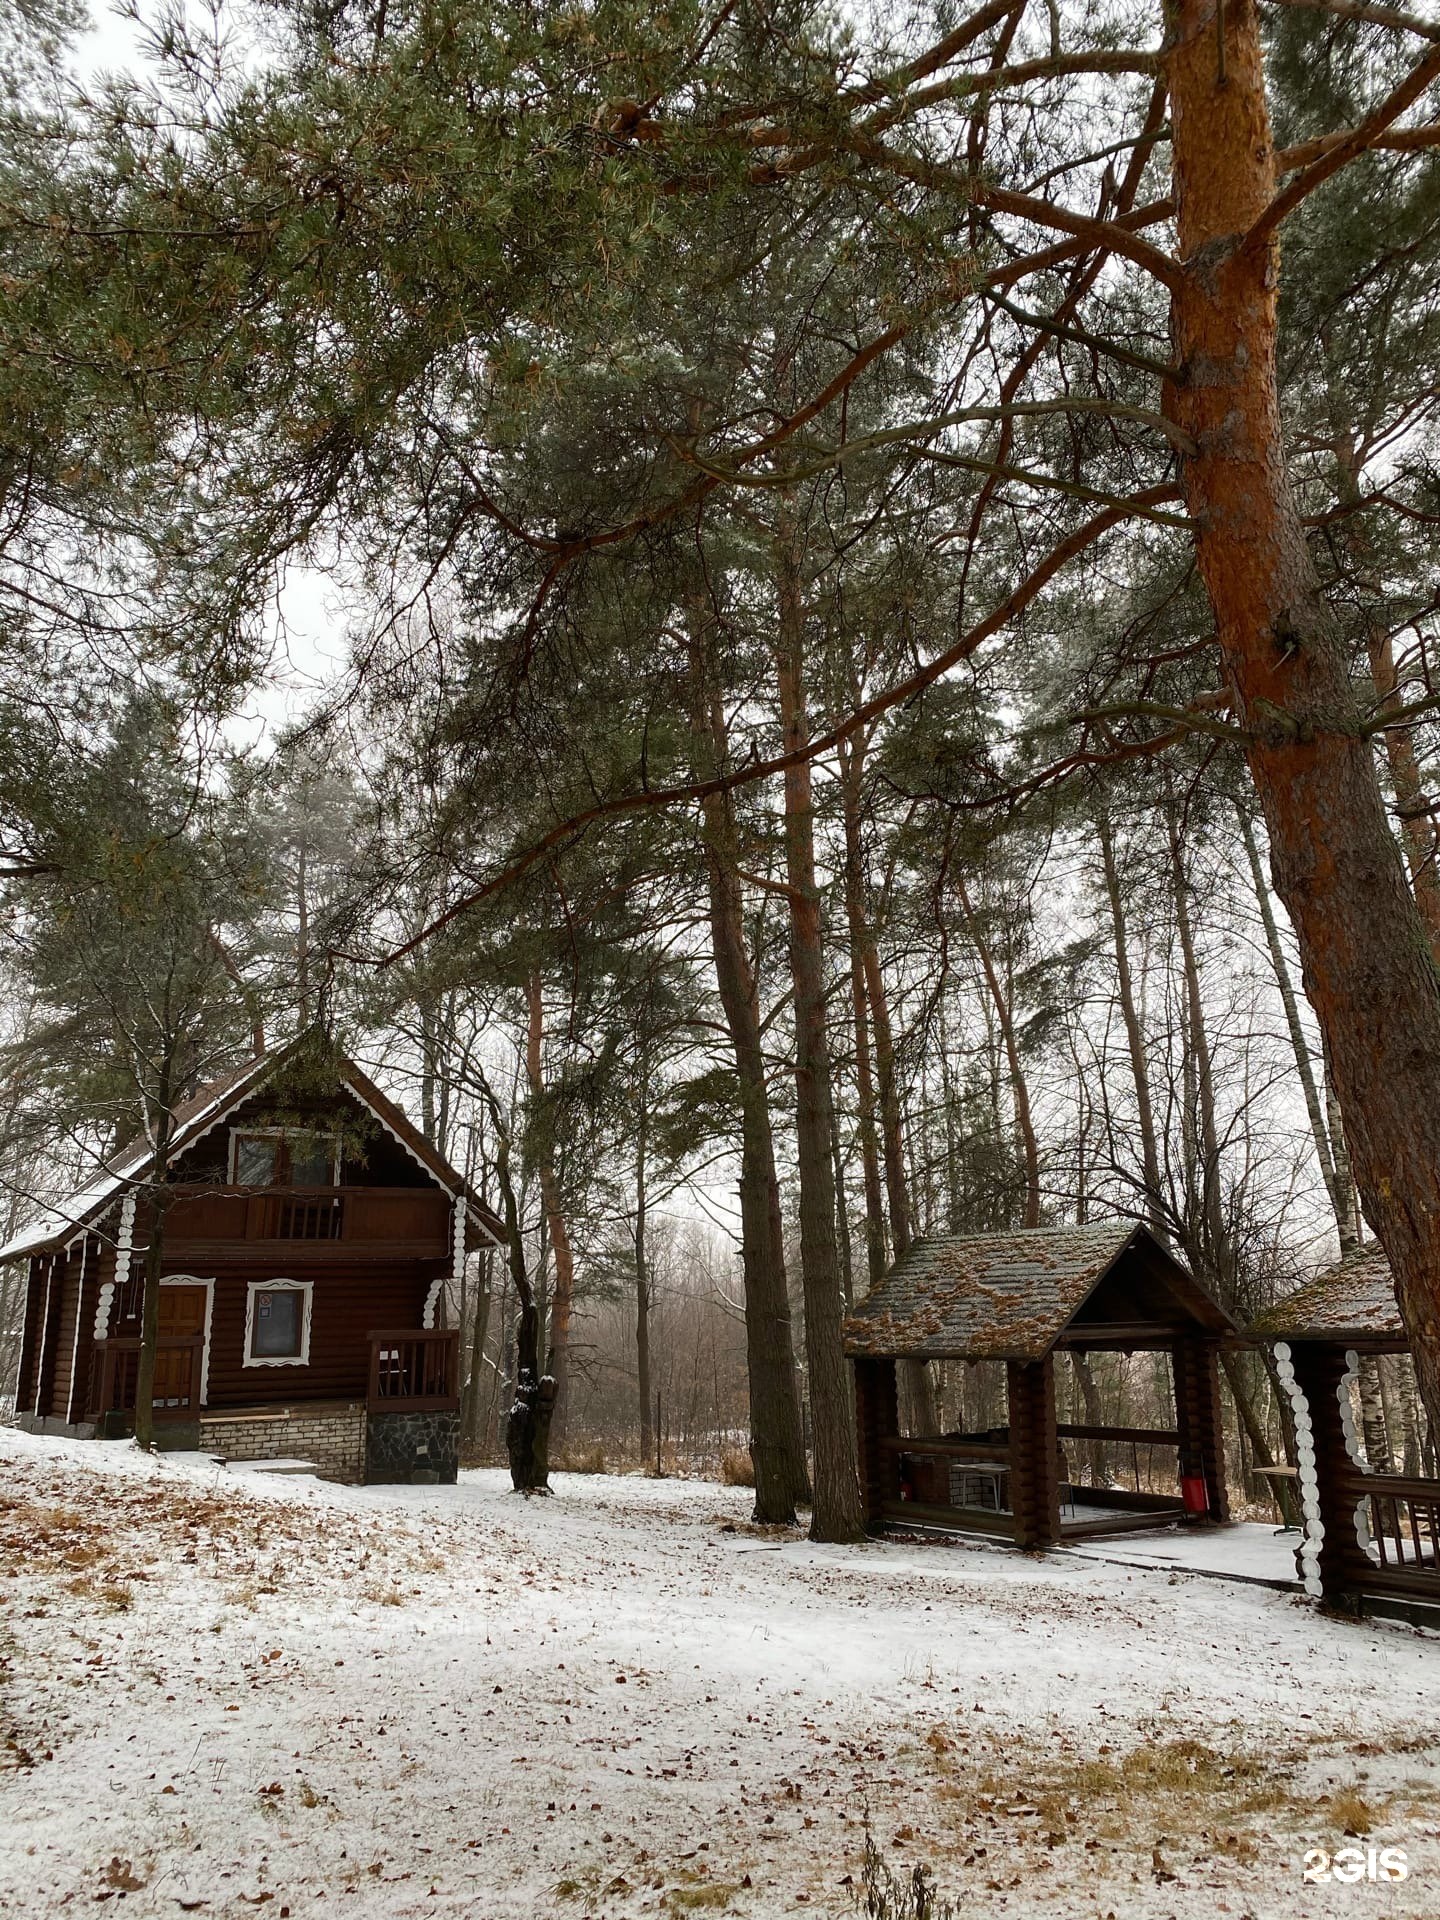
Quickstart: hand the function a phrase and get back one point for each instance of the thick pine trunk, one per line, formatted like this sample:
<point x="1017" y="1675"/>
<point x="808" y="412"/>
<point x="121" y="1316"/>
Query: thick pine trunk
<point x="562" y="1300"/>
<point x="836" y="1513"/>
<point x="1367" y="963"/>
<point x="777" y="1448"/>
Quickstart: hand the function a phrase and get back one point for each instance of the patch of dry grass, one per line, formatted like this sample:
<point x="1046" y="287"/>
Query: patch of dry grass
<point x="737" y="1469"/>
<point x="585" y="1460"/>
<point x="1350" y="1812"/>
<point x="113" y="1594"/>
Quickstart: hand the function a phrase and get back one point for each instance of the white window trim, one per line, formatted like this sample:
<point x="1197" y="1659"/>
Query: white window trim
<point x="284" y="1133"/>
<point x="301" y="1359"/>
<point x="195" y="1280"/>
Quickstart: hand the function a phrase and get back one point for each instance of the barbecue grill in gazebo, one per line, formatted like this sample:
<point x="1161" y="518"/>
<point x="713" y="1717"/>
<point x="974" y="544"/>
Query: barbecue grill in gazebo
<point x="1021" y="1298"/>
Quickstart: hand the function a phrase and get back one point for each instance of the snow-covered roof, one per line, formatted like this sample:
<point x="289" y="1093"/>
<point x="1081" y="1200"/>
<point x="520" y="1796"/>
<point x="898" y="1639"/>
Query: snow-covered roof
<point x="192" y="1117"/>
<point x="1009" y="1296"/>
<point x="196" y="1116"/>
<point x="1352" y="1301"/>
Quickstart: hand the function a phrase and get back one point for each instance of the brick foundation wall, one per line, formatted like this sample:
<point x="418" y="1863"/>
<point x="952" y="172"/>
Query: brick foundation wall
<point x="333" y="1437"/>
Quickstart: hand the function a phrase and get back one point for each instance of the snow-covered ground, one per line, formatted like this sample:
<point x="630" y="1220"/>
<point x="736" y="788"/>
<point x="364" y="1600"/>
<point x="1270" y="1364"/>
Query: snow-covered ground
<point x="223" y="1694"/>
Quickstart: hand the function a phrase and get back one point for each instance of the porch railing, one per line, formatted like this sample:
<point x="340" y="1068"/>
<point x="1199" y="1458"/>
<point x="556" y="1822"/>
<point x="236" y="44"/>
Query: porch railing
<point x="414" y="1370"/>
<point x="115" y="1373"/>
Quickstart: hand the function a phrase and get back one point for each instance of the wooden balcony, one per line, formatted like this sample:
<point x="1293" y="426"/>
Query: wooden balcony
<point x="415" y="1370"/>
<point x="312" y="1223"/>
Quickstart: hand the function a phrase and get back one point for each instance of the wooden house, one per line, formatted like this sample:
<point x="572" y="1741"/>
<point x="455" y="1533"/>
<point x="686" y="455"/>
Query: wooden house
<point x="309" y="1230"/>
<point x="1022" y="1298"/>
<point x="1371" y="1539"/>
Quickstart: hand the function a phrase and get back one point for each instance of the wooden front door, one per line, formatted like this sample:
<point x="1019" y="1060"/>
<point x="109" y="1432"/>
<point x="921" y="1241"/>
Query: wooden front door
<point x="181" y="1345"/>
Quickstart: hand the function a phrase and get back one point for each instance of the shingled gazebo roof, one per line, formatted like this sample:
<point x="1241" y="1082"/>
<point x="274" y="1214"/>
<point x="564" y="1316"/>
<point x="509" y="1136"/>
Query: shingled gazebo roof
<point x="1010" y="1296"/>
<point x="1353" y="1302"/>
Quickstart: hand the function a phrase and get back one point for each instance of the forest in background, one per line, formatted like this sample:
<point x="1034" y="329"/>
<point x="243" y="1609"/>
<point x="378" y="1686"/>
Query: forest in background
<point x="888" y="684"/>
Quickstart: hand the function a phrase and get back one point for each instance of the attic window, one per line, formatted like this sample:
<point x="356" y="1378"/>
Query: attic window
<point x="284" y="1157"/>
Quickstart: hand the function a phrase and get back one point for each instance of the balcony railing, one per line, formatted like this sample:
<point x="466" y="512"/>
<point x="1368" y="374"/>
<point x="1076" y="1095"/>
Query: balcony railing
<point x="415" y="1370"/>
<point x="339" y="1215"/>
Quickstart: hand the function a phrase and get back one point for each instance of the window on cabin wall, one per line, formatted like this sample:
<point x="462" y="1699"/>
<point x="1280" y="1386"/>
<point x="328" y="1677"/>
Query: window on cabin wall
<point x="277" y="1323"/>
<point x="284" y="1157"/>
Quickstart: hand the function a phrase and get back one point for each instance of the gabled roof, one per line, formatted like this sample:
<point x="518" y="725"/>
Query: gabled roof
<point x="1009" y="1296"/>
<point x="206" y="1108"/>
<point x="1352" y="1301"/>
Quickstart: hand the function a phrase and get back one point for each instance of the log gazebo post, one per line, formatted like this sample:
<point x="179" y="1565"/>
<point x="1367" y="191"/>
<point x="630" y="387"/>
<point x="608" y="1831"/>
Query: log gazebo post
<point x="1196" y="1364"/>
<point x="1034" y="1475"/>
<point x="1320" y="1373"/>
<point x="877" y="1421"/>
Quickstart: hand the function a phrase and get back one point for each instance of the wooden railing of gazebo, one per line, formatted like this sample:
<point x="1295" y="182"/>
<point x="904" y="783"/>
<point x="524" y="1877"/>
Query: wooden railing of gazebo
<point x="1404" y="1525"/>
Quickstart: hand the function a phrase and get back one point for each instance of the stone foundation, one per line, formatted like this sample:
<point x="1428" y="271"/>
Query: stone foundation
<point x="47" y="1423"/>
<point x="329" y="1434"/>
<point x="419" y="1447"/>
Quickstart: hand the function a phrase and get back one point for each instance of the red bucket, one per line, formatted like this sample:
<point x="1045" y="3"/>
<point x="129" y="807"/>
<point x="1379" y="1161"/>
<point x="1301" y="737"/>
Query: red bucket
<point x="1194" y="1493"/>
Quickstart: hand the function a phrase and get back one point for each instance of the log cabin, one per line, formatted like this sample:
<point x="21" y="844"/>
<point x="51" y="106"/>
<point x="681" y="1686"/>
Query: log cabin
<point x="309" y="1232"/>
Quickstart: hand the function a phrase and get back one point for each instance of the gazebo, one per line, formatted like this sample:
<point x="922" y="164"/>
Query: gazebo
<point x="1021" y="1298"/>
<point x="1372" y="1540"/>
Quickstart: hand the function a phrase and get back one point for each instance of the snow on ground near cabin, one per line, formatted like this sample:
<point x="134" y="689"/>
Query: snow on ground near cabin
<point x="226" y="1695"/>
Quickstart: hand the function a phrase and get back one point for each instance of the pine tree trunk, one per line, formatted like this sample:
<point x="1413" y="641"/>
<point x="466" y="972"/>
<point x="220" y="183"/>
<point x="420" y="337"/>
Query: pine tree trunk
<point x="850" y="776"/>
<point x="1300" y="1046"/>
<point x="479" y="1326"/>
<point x="154" y="1261"/>
<point x="867" y="987"/>
<point x="1215" y="1239"/>
<point x="1396" y="1371"/>
<point x="1134" y="1033"/>
<point x="562" y="1299"/>
<point x="642" y="1271"/>
<point x="1366" y="960"/>
<point x="1019" y="1090"/>
<point x="1094" y="1416"/>
<point x="1417" y="822"/>
<point x="777" y="1448"/>
<point x="835" y="1514"/>
<point x="1346" y="1199"/>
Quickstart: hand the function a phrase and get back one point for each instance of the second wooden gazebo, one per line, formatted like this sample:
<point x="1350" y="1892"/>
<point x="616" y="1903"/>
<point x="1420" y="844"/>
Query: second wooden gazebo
<point x="1020" y="1298"/>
